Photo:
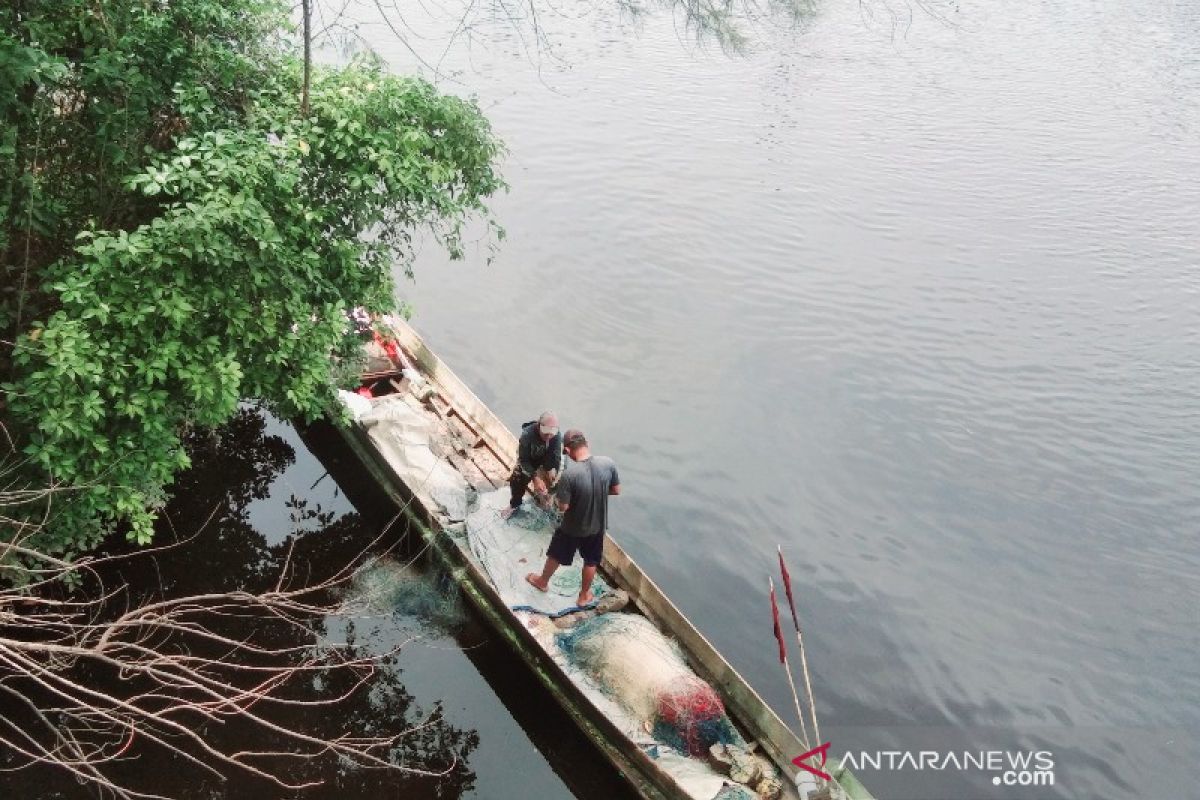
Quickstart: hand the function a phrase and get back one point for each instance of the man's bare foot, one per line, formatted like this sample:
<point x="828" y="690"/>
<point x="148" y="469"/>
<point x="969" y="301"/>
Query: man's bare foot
<point x="508" y="512"/>
<point x="535" y="580"/>
<point x="585" y="598"/>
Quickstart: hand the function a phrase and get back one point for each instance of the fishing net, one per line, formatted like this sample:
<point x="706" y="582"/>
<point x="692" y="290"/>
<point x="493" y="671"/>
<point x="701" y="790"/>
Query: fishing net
<point x="532" y="517"/>
<point x="732" y="791"/>
<point x="509" y="549"/>
<point x="633" y="662"/>
<point x="388" y="586"/>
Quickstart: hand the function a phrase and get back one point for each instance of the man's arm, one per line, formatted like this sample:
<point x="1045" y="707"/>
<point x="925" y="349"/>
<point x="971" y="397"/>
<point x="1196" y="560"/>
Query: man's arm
<point x="524" y="457"/>
<point x="614" y="481"/>
<point x="562" y="495"/>
<point x="554" y="454"/>
<point x="614" y="489"/>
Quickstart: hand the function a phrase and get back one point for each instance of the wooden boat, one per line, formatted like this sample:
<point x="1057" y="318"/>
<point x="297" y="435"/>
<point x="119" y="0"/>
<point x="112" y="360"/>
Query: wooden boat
<point x="485" y="455"/>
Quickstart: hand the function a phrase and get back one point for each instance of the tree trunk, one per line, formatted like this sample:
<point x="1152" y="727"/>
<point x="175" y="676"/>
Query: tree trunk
<point x="307" y="5"/>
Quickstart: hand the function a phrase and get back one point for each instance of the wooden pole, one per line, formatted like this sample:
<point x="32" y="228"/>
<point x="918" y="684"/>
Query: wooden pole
<point x="787" y="586"/>
<point x="786" y="666"/>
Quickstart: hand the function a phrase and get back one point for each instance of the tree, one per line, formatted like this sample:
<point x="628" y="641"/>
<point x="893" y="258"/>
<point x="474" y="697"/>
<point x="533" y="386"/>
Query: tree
<point x="179" y="237"/>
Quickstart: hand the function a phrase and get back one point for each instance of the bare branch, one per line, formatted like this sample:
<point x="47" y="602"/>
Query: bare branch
<point x="182" y="669"/>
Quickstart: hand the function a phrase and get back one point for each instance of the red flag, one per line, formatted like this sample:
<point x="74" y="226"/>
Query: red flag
<point x="778" y="633"/>
<point x="787" y="587"/>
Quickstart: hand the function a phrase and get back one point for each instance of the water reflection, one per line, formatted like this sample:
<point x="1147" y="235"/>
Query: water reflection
<point x="220" y="550"/>
<point x="546" y="755"/>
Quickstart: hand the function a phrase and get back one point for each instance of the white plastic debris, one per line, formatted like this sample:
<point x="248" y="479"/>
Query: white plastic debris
<point x="358" y="405"/>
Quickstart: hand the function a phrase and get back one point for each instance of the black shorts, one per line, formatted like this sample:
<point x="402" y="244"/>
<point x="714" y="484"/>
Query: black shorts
<point x="563" y="547"/>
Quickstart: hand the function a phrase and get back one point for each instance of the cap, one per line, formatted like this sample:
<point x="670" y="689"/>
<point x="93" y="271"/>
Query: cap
<point x="574" y="438"/>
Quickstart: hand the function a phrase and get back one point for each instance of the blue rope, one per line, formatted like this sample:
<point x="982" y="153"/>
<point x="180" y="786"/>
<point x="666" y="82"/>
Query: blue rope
<point x="556" y="614"/>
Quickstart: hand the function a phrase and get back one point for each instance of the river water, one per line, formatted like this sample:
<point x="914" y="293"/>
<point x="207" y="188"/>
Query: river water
<point x="912" y="294"/>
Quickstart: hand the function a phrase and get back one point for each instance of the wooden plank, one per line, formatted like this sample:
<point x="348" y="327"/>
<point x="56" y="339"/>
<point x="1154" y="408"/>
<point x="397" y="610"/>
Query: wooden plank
<point x="489" y="427"/>
<point x="461" y="444"/>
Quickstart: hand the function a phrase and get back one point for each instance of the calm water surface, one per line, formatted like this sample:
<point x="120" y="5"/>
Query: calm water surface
<point x="916" y="300"/>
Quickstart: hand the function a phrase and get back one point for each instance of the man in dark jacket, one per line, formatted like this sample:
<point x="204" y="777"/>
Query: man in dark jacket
<point x="539" y="462"/>
<point x="582" y="495"/>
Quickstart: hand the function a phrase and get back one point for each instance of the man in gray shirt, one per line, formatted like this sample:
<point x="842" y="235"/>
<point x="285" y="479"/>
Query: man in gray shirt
<point x="582" y="495"/>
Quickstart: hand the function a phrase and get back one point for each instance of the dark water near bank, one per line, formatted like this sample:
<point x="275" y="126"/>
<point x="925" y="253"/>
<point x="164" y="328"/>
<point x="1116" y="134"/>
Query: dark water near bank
<point x="916" y="300"/>
<point x="253" y="488"/>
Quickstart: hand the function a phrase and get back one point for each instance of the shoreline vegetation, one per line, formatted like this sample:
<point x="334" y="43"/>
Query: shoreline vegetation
<point x="186" y="225"/>
<point x="179" y="236"/>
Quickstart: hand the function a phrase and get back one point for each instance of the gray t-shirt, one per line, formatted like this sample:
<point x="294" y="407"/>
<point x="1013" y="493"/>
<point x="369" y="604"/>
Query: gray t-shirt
<point x="584" y="488"/>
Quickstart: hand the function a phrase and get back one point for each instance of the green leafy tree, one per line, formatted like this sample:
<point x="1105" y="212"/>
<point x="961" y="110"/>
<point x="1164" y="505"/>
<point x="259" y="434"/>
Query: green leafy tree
<point x="181" y="236"/>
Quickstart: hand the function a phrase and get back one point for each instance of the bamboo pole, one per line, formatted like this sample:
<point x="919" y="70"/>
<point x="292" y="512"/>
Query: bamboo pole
<point x="787" y="586"/>
<point x="786" y="666"/>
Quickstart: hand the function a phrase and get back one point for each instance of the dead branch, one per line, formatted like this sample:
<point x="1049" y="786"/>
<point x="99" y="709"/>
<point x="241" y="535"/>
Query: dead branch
<point x="182" y="666"/>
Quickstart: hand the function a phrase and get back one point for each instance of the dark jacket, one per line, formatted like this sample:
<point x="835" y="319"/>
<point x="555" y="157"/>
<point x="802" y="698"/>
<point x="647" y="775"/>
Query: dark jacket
<point x="533" y="453"/>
